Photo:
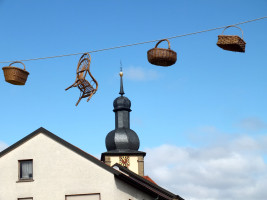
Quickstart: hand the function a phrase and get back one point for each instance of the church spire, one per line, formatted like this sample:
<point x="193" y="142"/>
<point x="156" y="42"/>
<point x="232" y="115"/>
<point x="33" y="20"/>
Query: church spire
<point x="123" y="143"/>
<point x="121" y="86"/>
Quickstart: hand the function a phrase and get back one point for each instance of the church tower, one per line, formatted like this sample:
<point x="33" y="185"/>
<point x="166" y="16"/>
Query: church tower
<point x="123" y="143"/>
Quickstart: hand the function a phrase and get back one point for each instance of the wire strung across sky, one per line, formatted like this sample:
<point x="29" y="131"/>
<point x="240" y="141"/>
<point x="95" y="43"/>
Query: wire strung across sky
<point x="134" y="44"/>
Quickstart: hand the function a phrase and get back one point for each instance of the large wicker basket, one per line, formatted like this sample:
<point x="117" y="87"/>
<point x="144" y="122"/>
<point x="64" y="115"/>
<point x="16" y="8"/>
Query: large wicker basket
<point x="231" y="42"/>
<point x="161" y="56"/>
<point x="15" y="75"/>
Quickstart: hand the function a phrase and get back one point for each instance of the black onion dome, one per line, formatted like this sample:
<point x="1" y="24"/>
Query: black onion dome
<point x="122" y="103"/>
<point x="122" y="139"/>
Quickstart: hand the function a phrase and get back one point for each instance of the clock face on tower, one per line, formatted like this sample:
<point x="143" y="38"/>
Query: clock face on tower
<point x="125" y="161"/>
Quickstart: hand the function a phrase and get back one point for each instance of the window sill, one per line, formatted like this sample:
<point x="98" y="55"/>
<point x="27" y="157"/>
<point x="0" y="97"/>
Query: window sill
<point x="24" y="180"/>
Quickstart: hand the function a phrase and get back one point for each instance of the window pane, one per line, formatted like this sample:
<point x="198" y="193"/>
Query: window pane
<point x="30" y="198"/>
<point x="84" y="197"/>
<point x="26" y="169"/>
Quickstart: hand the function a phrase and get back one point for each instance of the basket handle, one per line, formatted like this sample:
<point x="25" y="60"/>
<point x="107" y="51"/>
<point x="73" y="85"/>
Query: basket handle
<point x="162" y="41"/>
<point x="18" y="62"/>
<point x="236" y="27"/>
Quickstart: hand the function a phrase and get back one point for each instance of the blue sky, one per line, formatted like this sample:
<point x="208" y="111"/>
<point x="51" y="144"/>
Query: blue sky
<point x="209" y="99"/>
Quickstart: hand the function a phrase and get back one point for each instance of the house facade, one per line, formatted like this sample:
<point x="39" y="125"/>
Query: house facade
<point x="43" y="166"/>
<point x="59" y="171"/>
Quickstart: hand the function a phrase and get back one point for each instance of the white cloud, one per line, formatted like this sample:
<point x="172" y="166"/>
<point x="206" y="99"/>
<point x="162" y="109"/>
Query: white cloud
<point x="252" y="124"/>
<point x="234" y="170"/>
<point x="3" y="146"/>
<point x="140" y="74"/>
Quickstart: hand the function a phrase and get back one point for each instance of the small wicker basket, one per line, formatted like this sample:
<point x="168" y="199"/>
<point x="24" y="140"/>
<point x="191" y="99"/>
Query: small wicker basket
<point x="161" y="56"/>
<point x="15" y="75"/>
<point x="231" y="42"/>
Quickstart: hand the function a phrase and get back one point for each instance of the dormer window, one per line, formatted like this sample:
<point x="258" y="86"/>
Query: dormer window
<point x="25" y="170"/>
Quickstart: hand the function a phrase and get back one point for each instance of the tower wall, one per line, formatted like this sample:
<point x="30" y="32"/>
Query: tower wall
<point x="136" y="163"/>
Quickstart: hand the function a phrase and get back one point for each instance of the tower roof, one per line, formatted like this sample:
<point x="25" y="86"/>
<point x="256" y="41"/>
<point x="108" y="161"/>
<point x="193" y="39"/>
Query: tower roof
<point x="122" y="139"/>
<point x="122" y="103"/>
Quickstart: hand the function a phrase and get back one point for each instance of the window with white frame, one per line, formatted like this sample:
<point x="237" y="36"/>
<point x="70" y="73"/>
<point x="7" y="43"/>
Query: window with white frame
<point x="25" y="170"/>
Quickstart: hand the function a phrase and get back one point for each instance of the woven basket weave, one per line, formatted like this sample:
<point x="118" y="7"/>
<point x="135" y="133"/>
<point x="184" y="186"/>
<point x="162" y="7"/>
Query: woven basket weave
<point x="15" y="75"/>
<point x="231" y="42"/>
<point x="161" y="56"/>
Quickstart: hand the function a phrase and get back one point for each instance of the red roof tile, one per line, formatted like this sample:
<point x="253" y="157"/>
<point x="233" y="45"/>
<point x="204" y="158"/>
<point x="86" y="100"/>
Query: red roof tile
<point x="149" y="179"/>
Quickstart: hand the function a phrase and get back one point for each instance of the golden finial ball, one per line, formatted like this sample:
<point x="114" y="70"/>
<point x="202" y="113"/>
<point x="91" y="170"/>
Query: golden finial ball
<point x="121" y="74"/>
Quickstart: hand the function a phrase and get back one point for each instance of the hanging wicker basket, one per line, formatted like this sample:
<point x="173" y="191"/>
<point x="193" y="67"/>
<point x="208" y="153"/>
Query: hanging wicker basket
<point x="15" y="75"/>
<point x="161" y="56"/>
<point x="231" y="42"/>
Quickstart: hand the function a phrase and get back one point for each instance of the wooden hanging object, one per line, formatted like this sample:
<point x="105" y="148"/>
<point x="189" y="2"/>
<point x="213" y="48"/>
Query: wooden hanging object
<point x="161" y="56"/>
<point x="15" y="75"/>
<point x="87" y="88"/>
<point x="231" y="42"/>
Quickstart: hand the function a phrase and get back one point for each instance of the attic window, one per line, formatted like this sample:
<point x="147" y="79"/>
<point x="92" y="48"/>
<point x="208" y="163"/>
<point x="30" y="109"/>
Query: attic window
<point x="25" y="170"/>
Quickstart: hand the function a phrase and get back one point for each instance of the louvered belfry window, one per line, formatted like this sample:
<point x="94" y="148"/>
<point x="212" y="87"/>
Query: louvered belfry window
<point x="25" y="169"/>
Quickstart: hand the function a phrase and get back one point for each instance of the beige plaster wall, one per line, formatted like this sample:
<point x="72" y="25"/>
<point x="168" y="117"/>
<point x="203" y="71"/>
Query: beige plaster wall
<point x="58" y="171"/>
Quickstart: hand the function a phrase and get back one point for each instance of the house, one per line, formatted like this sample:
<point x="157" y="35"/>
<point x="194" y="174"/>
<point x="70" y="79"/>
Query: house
<point x="43" y="166"/>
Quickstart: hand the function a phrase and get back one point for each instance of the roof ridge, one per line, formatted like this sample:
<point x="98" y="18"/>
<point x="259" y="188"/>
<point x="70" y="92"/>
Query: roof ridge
<point x="61" y="141"/>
